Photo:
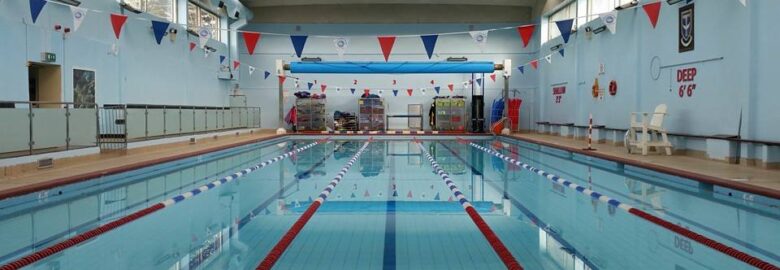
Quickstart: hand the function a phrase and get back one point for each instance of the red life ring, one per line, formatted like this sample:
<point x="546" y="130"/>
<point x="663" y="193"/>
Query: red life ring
<point x="612" y="88"/>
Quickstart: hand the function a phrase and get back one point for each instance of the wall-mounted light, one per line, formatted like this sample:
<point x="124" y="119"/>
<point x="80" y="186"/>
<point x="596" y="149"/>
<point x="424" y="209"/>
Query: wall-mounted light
<point x="192" y="32"/>
<point x="236" y="14"/>
<point x="672" y="2"/>
<point x="457" y="59"/>
<point x="627" y="5"/>
<point x="556" y="47"/>
<point x="209" y="48"/>
<point x="600" y="29"/>
<point x="221" y="4"/>
<point x="70" y="2"/>
<point x="172" y="34"/>
<point x="128" y="7"/>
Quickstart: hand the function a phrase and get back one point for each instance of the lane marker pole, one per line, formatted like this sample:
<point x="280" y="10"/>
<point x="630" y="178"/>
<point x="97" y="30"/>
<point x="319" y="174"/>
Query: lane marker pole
<point x="276" y="252"/>
<point x="503" y="253"/>
<point x="78" y="239"/>
<point x="732" y="252"/>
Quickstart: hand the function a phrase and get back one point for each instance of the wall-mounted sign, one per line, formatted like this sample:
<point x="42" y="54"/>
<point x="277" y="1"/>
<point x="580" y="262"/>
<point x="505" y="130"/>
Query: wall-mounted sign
<point x="686" y="27"/>
<point x="686" y="77"/>
<point x="558" y="93"/>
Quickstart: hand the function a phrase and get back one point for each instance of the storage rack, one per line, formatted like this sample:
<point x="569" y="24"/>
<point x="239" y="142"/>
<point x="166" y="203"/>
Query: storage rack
<point x="450" y="113"/>
<point x="371" y="114"/>
<point x="310" y="114"/>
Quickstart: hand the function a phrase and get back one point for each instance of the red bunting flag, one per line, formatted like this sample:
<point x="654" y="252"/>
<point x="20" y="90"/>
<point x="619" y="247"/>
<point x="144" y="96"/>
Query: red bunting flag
<point x="409" y="91"/>
<point x="281" y="79"/>
<point x="652" y="11"/>
<point x="250" y="40"/>
<point x="493" y="77"/>
<point x="386" y="43"/>
<point x="535" y="64"/>
<point x="192" y="46"/>
<point x="451" y="86"/>
<point x="323" y="87"/>
<point x="117" y="21"/>
<point x="526" y="32"/>
<point x="394" y="82"/>
<point x="354" y="82"/>
<point x="433" y="82"/>
<point x="236" y="64"/>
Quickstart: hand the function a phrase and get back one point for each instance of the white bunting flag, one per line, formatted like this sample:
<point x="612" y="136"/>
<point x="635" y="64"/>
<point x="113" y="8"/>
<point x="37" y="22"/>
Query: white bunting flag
<point x="204" y="34"/>
<point x="743" y="2"/>
<point x="610" y="20"/>
<point x="548" y="58"/>
<point x="78" y="16"/>
<point x="480" y="37"/>
<point x="341" y="45"/>
<point x="251" y="69"/>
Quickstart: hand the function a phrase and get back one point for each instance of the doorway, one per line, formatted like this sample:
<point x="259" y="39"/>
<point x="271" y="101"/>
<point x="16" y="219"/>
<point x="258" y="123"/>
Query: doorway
<point x="45" y="84"/>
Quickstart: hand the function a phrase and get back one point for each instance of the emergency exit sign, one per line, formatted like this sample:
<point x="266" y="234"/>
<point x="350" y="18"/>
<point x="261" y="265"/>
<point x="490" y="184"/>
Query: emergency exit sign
<point x="48" y="57"/>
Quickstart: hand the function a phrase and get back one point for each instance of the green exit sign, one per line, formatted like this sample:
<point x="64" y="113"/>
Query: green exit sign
<point x="48" y="57"/>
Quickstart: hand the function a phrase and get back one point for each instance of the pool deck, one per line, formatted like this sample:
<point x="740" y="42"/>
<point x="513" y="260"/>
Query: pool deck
<point x="22" y="179"/>
<point x="740" y="176"/>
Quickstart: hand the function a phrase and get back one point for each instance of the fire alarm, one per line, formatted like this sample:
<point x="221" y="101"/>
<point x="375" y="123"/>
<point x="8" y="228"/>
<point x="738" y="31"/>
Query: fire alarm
<point x="613" y="88"/>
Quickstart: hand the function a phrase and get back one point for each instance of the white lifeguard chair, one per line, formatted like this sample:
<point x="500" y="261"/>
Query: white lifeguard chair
<point x="649" y="132"/>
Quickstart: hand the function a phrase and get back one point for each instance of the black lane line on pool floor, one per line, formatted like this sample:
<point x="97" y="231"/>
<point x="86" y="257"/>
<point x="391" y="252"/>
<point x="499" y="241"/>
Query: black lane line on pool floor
<point x="704" y="227"/>
<point x="388" y="261"/>
<point x="527" y="212"/>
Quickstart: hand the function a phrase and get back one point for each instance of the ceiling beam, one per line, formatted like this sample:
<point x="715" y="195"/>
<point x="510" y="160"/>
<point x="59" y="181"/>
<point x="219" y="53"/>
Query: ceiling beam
<point x="279" y="3"/>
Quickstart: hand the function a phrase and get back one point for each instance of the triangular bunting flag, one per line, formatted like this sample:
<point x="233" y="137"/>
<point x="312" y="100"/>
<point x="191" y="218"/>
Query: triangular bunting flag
<point x="341" y="45"/>
<point x="535" y="64"/>
<point x="548" y="58"/>
<point x="479" y="82"/>
<point x="159" y="28"/>
<point x="386" y="44"/>
<point x="409" y="195"/>
<point x="354" y="82"/>
<point x="565" y="28"/>
<point x="366" y="194"/>
<point x="78" y="15"/>
<point x="353" y="195"/>
<point x="409" y="91"/>
<point x="338" y="89"/>
<point x="117" y="21"/>
<point x="493" y="77"/>
<point x="395" y="193"/>
<point x="394" y="82"/>
<point x="429" y="42"/>
<point x="436" y="198"/>
<point x="282" y="79"/>
<point x="352" y="90"/>
<point x="266" y="74"/>
<point x="561" y="52"/>
<point x="381" y="92"/>
<point x="652" y="11"/>
<point x="221" y="59"/>
<point x="451" y="87"/>
<point x="323" y="87"/>
<point x="310" y="84"/>
<point x="251" y="69"/>
<point x="610" y="20"/>
<point x="250" y="40"/>
<point x="192" y="46"/>
<point x="521" y="69"/>
<point x="395" y="92"/>
<point x="450" y="199"/>
<point x="236" y="64"/>
<point x="298" y="43"/>
<point x="743" y="2"/>
<point x="36" y="6"/>
<point x="480" y="37"/>
<point x="422" y="91"/>
<point x="204" y="34"/>
<point x="437" y="89"/>
<point x="526" y="32"/>
<point x="433" y="82"/>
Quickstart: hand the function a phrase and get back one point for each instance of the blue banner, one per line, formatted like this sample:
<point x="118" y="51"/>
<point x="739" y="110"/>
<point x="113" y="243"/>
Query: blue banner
<point x="561" y="52"/>
<point x="36" y="6"/>
<point x="395" y="92"/>
<point x="565" y="28"/>
<point x="221" y="59"/>
<point x="429" y="42"/>
<point x="159" y="30"/>
<point x="298" y="43"/>
<point x="267" y="74"/>
<point x="521" y="69"/>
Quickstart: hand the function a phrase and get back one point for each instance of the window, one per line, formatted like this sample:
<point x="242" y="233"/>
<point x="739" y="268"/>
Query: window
<point x="596" y="7"/>
<point x="165" y="9"/>
<point x="567" y="12"/>
<point x="198" y="17"/>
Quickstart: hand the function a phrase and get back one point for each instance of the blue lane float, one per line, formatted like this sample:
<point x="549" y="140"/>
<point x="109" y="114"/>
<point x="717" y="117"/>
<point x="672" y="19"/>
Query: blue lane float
<point x="391" y="67"/>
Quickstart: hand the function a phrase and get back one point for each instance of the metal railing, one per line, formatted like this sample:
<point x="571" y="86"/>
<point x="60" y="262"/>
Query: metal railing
<point x="30" y="127"/>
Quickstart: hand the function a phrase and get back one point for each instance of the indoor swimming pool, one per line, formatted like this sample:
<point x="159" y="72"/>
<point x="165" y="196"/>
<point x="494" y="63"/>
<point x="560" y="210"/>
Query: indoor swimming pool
<point x="388" y="202"/>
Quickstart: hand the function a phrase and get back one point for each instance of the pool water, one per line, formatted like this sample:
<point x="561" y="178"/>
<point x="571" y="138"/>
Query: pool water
<point x="390" y="211"/>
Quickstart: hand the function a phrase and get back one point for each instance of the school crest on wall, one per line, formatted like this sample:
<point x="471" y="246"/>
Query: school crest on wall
<point x="686" y="29"/>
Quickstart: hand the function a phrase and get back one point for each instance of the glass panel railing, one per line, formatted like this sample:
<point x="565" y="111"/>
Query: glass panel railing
<point x="187" y="121"/>
<point x="136" y="123"/>
<point x="82" y="128"/>
<point x="15" y="134"/>
<point x="173" y="119"/>
<point x="155" y="120"/>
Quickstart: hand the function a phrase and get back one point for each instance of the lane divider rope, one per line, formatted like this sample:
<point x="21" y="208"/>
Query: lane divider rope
<point x="732" y="252"/>
<point x="276" y="252"/>
<point x="78" y="239"/>
<point x="503" y="253"/>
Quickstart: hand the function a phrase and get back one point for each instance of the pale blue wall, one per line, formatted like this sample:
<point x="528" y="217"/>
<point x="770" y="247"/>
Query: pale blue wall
<point x="143" y="72"/>
<point x="745" y="80"/>
<point x="502" y="45"/>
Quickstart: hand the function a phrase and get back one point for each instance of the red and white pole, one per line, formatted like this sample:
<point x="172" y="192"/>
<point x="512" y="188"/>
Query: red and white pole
<point x="590" y="133"/>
